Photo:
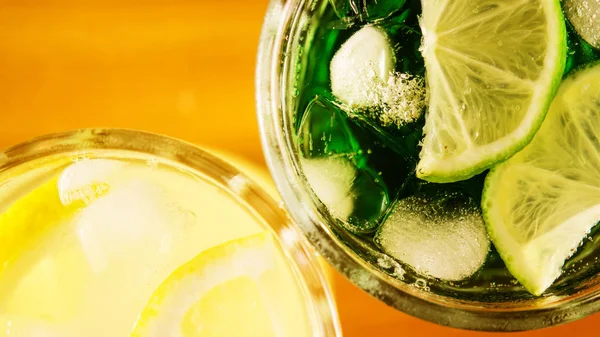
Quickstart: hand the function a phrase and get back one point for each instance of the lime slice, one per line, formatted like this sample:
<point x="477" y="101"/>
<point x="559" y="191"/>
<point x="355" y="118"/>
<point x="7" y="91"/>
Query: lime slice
<point x="48" y="205"/>
<point x="492" y="70"/>
<point x="240" y="288"/>
<point x="540" y="204"/>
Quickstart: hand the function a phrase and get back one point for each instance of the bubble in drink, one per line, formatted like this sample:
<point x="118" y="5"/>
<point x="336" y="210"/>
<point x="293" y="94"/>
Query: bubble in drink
<point x="366" y="10"/>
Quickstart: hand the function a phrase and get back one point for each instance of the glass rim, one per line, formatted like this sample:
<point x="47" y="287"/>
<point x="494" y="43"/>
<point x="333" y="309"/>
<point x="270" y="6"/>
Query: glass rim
<point x="276" y="136"/>
<point x="317" y="294"/>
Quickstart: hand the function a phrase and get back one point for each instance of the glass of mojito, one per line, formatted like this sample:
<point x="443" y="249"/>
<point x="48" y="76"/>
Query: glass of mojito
<point x="108" y="232"/>
<point x="443" y="154"/>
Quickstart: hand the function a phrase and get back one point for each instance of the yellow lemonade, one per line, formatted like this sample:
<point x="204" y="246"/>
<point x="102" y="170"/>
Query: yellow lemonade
<point x="116" y="243"/>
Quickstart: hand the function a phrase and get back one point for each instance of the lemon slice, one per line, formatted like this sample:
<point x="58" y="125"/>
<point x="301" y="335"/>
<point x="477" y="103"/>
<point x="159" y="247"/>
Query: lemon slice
<point x="540" y="204"/>
<point x="241" y="288"/>
<point x="493" y="67"/>
<point x="48" y="205"/>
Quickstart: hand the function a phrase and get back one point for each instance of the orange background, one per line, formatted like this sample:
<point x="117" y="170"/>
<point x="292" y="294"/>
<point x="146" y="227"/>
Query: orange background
<point x="183" y="68"/>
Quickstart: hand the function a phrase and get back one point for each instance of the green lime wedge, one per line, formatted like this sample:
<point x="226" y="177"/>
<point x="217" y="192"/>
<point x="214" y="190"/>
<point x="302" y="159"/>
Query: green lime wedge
<point x="493" y="67"/>
<point x="540" y="204"/>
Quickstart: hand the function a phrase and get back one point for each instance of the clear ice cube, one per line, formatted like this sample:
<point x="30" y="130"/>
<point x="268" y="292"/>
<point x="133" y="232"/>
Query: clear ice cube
<point x="360" y="69"/>
<point x="337" y="167"/>
<point x="136" y="219"/>
<point x="377" y="75"/>
<point x="324" y="131"/>
<point x="331" y="180"/>
<point x="584" y="15"/>
<point x="441" y="235"/>
<point x="83" y="179"/>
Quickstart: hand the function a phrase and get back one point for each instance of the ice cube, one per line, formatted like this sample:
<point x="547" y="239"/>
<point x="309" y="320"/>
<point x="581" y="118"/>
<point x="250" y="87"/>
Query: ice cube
<point x="443" y="235"/>
<point x="362" y="78"/>
<point x="584" y="15"/>
<point x="85" y="179"/>
<point x="361" y="66"/>
<point x="350" y="194"/>
<point x="326" y="131"/>
<point x="136" y="219"/>
<point x="331" y="180"/>
<point x="366" y="9"/>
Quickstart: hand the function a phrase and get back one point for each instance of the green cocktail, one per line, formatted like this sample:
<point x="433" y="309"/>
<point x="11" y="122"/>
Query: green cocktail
<point x="399" y="111"/>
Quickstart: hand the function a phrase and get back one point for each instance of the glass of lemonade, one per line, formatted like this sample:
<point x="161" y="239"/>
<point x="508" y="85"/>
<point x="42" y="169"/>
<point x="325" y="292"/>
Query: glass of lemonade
<point x="442" y="154"/>
<point x="123" y="233"/>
